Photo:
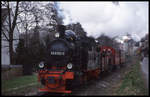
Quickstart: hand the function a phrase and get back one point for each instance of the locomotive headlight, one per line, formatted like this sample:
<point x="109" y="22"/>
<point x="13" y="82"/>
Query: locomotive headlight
<point x="41" y="65"/>
<point x="57" y="35"/>
<point x="69" y="66"/>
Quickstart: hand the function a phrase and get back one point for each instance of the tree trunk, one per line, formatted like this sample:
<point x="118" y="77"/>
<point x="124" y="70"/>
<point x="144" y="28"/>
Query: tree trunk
<point x="11" y="31"/>
<point x="11" y="51"/>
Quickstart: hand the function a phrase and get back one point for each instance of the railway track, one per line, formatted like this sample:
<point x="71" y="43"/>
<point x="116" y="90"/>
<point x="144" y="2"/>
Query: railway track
<point x="101" y="86"/>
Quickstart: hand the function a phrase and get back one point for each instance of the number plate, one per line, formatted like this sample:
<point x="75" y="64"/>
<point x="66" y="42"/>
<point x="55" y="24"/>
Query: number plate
<point x="58" y="53"/>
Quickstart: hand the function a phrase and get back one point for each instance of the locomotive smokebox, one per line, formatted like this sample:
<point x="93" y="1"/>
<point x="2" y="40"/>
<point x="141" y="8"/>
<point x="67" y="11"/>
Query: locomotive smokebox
<point x="61" y="29"/>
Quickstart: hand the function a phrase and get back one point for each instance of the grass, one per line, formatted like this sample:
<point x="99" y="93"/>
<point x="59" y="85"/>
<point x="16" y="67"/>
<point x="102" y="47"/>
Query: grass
<point x="132" y="83"/>
<point x="19" y="82"/>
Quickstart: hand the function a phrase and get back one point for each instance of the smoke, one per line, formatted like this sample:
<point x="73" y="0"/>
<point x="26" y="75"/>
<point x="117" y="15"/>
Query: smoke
<point x="60" y="16"/>
<point x="110" y="18"/>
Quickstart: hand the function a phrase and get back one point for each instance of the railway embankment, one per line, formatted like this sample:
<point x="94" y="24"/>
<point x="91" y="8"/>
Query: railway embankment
<point x="133" y="82"/>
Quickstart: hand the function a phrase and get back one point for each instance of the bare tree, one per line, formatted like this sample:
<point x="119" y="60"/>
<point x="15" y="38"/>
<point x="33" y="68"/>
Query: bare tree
<point x="30" y="16"/>
<point x="12" y="25"/>
<point x="24" y="24"/>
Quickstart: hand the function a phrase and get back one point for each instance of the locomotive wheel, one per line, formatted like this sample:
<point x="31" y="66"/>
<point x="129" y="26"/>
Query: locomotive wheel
<point x="119" y="66"/>
<point x="122" y="64"/>
<point x="111" y="68"/>
<point x="83" y="80"/>
<point x="114" y="67"/>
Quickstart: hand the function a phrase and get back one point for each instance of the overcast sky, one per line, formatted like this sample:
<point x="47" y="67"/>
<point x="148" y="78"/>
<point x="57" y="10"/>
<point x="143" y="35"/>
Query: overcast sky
<point x="108" y="17"/>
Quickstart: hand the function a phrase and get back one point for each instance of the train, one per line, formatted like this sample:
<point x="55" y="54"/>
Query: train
<point x="72" y="61"/>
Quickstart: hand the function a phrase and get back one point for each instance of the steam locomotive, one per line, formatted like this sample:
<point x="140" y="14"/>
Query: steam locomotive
<point x="73" y="60"/>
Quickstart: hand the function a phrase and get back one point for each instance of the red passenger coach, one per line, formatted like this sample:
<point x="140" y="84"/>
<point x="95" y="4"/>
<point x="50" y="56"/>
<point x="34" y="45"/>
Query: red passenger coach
<point x="111" y="58"/>
<point x="107" y="58"/>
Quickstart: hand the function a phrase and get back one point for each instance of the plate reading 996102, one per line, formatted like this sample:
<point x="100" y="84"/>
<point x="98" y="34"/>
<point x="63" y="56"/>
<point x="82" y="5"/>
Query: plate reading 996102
<point x="57" y="53"/>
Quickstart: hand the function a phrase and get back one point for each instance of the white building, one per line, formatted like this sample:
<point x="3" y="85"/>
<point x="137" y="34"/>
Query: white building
<point x="5" y="59"/>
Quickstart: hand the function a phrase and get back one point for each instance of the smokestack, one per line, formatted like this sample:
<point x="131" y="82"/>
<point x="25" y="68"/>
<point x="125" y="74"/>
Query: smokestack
<point x="61" y="29"/>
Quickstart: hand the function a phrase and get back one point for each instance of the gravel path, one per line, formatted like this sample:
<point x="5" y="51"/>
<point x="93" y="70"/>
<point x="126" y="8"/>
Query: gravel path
<point x="103" y="86"/>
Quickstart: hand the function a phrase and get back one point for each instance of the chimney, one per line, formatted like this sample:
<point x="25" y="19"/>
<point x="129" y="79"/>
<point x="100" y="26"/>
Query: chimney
<point x="61" y="29"/>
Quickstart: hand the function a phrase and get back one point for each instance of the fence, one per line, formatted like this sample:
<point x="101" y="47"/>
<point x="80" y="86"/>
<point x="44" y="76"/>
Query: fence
<point x="11" y="71"/>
